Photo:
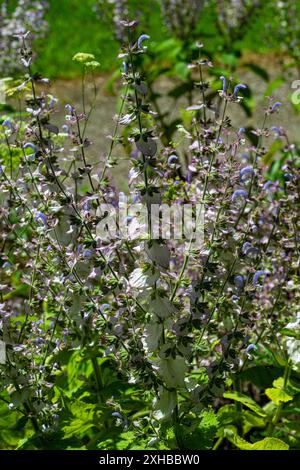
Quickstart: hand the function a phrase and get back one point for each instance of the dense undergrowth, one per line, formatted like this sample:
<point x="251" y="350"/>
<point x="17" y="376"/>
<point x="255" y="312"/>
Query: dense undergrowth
<point x="120" y="340"/>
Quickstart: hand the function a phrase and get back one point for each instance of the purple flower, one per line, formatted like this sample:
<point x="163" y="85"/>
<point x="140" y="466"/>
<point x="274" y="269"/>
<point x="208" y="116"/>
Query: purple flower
<point x="238" y="87"/>
<point x="42" y="217"/>
<point x="104" y="307"/>
<point x="268" y="184"/>
<point x="224" y="83"/>
<point x="7" y="123"/>
<point x="124" y="67"/>
<point x="248" y="249"/>
<point x="276" y="129"/>
<point x="70" y="108"/>
<point x="246" y="172"/>
<point x="136" y="198"/>
<point x="253" y="251"/>
<point x="241" y="130"/>
<point x="189" y="176"/>
<point x="173" y="159"/>
<point x="239" y="281"/>
<point x="31" y="146"/>
<point x="258" y="275"/>
<point x="52" y="103"/>
<point x="142" y="38"/>
<point x="239" y="193"/>
<point x="7" y="264"/>
<point x="87" y="253"/>
<point x="288" y="176"/>
<point x="276" y="105"/>
<point x="245" y="247"/>
<point x="251" y="347"/>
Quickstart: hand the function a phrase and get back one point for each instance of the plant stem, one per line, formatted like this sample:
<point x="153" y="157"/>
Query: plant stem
<point x="276" y="418"/>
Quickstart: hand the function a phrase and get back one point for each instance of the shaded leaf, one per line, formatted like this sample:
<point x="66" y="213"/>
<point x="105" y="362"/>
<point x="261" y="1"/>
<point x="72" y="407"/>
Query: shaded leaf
<point x="246" y="401"/>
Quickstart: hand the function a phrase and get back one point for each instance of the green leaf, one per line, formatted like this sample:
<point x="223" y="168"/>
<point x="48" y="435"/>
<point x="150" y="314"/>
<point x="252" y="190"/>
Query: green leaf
<point x="201" y="437"/>
<point x="274" y="85"/>
<point x="76" y="428"/>
<point x="296" y="107"/>
<point x="289" y="332"/>
<point x="262" y="73"/>
<point x="227" y="414"/>
<point x="278" y="383"/>
<point x="247" y="106"/>
<point x="261" y="376"/>
<point x="268" y="443"/>
<point x="269" y="157"/>
<point x="229" y="59"/>
<point x="246" y="401"/>
<point x="21" y="291"/>
<point x="251" y="420"/>
<point x="278" y="396"/>
<point x="181" y="70"/>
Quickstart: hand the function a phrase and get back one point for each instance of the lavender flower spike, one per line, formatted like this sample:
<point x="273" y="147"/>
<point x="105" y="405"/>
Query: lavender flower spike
<point x="224" y="83"/>
<point x="238" y="87"/>
<point x="142" y="38"/>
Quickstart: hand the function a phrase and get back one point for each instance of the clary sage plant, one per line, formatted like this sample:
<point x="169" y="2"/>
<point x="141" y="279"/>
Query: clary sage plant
<point x="113" y="340"/>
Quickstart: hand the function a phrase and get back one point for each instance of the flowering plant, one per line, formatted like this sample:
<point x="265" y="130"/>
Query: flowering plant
<point x="150" y="333"/>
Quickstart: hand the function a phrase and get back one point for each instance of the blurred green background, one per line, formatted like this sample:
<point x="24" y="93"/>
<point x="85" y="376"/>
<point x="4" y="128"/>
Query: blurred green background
<point x="74" y="26"/>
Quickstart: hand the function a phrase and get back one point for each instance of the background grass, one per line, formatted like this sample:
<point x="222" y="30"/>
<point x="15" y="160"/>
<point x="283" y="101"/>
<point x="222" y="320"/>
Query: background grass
<point x="74" y="26"/>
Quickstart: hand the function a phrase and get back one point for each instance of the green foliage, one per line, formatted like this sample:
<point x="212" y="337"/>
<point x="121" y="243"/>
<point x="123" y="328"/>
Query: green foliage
<point x="268" y="443"/>
<point x="73" y="27"/>
<point x="84" y="31"/>
<point x="203" y="432"/>
<point x="246" y="401"/>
